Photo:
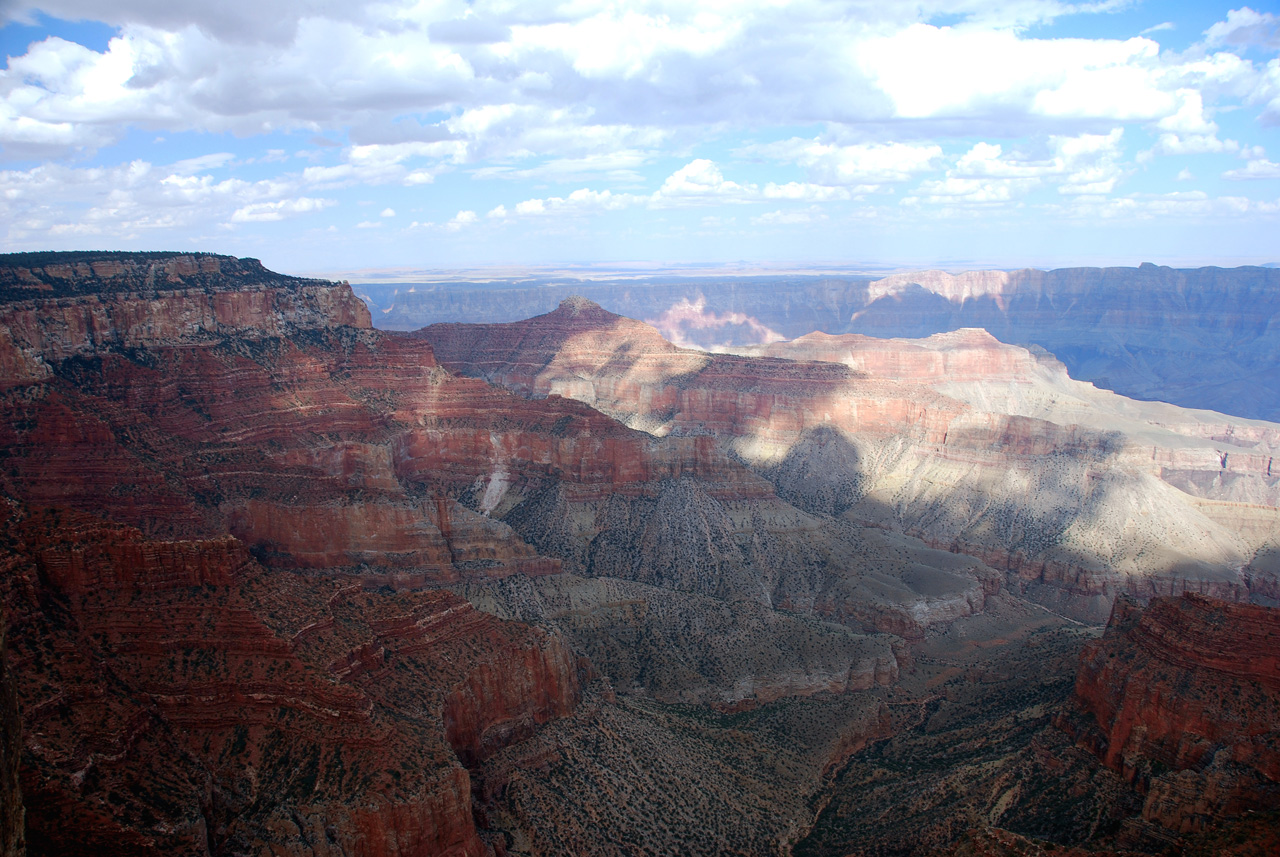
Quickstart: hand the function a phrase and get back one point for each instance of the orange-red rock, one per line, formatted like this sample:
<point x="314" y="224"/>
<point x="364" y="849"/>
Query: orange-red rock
<point x="1183" y="699"/>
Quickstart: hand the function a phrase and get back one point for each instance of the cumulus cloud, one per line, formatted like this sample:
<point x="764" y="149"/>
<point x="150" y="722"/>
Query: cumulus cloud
<point x="986" y="174"/>
<point x="1259" y="168"/>
<point x="1245" y="28"/>
<point x="139" y="198"/>
<point x="261" y="212"/>
<point x="593" y="94"/>
<point x="516" y="81"/>
<point x="701" y="179"/>
<point x="865" y="165"/>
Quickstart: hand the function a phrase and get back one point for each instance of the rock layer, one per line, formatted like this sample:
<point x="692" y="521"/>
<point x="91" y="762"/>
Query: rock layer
<point x="1200" y="338"/>
<point x="968" y="444"/>
<point x="12" y="814"/>
<point x="185" y="437"/>
<point x="1182" y="698"/>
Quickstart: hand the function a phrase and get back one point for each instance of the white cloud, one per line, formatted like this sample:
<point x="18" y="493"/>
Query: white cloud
<point x="618" y="166"/>
<point x="461" y="220"/>
<point x="388" y="212"/>
<point x="1188" y="131"/>
<point x="987" y="175"/>
<point x="1245" y="28"/>
<point x="259" y="212"/>
<point x="1259" y="168"/>
<point x="701" y="179"/>
<point x="506" y="84"/>
<point x="138" y="198"/>
<point x="592" y="94"/>
<point x="791" y="217"/>
<point x="864" y="164"/>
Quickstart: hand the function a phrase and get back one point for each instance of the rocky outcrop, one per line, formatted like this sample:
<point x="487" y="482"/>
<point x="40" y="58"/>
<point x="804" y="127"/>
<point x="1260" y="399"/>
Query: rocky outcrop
<point x="77" y="306"/>
<point x="12" y="815"/>
<point x="959" y="440"/>
<point x="191" y="701"/>
<point x="1200" y="338"/>
<point x="1182" y="698"/>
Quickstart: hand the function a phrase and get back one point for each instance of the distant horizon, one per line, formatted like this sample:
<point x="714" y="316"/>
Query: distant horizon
<point x="638" y="270"/>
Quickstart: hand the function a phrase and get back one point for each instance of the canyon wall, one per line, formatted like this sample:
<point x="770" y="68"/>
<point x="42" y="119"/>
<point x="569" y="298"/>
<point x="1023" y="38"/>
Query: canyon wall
<point x="12" y="814"/>
<point x="1203" y="338"/>
<point x="231" y="507"/>
<point x="972" y="446"/>
<point x="1182" y="698"/>
<point x="217" y="633"/>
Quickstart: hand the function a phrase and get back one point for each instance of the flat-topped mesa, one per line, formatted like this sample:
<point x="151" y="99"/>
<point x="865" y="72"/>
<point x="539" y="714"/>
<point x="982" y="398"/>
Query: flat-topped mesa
<point x="1182" y="698"/>
<point x="57" y="305"/>
<point x="967" y="354"/>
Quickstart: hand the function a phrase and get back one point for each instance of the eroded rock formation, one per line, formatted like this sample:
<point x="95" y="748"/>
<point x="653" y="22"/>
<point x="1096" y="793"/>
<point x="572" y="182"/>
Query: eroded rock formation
<point x="12" y="814"/>
<point x="214" y="524"/>
<point x="1182" y="698"/>
<point x="1200" y="338"/>
<point x="968" y="444"/>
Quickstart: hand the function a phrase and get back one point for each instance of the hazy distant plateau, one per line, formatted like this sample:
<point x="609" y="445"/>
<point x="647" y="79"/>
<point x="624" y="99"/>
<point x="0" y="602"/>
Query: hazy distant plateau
<point x="1201" y="338"/>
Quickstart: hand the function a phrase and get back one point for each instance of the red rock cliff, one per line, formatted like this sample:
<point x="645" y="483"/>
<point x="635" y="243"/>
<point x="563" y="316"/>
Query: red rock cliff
<point x="186" y="436"/>
<point x="12" y="816"/>
<point x="1183" y="699"/>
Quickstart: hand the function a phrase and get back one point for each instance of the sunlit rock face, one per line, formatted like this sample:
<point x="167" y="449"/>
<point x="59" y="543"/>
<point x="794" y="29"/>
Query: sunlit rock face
<point x="1200" y="338"/>
<point x="1182" y="698"/>
<point x="966" y="443"/>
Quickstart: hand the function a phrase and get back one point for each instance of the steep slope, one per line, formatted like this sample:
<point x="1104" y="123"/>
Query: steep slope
<point x="1204" y="338"/>
<point x="12" y="816"/>
<point x="171" y="425"/>
<point x="230" y="510"/>
<point x="1200" y="338"/>
<point x="968" y="444"/>
<point x="1182" y="699"/>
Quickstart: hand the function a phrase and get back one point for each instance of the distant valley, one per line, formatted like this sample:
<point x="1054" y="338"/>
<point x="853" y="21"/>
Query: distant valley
<point x="1199" y="338"/>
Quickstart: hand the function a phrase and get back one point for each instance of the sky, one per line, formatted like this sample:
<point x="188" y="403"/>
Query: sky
<point x="322" y="135"/>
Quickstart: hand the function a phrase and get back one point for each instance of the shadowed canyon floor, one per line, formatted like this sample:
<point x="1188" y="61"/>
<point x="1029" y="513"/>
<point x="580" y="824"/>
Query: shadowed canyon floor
<point x="275" y="582"/>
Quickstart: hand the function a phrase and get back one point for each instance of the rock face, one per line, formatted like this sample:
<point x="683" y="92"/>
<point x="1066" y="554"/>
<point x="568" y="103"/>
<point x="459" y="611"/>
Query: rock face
<point x="12" y="820"/>
<point x="222" y="497"/>
<point x="230" y="510"/>
<point x="1182" y="699"/>
<point x="1200" y="338"/>
<point x="968" y="444"/>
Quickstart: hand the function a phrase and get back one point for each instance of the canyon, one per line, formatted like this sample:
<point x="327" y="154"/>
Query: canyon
<point x="1071" y="495"/>
<point x="276" y="581"/>
<point x="1204" y="338"/>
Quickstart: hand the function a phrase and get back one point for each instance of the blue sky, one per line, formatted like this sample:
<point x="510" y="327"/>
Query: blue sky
<point x="334" y="136"/>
